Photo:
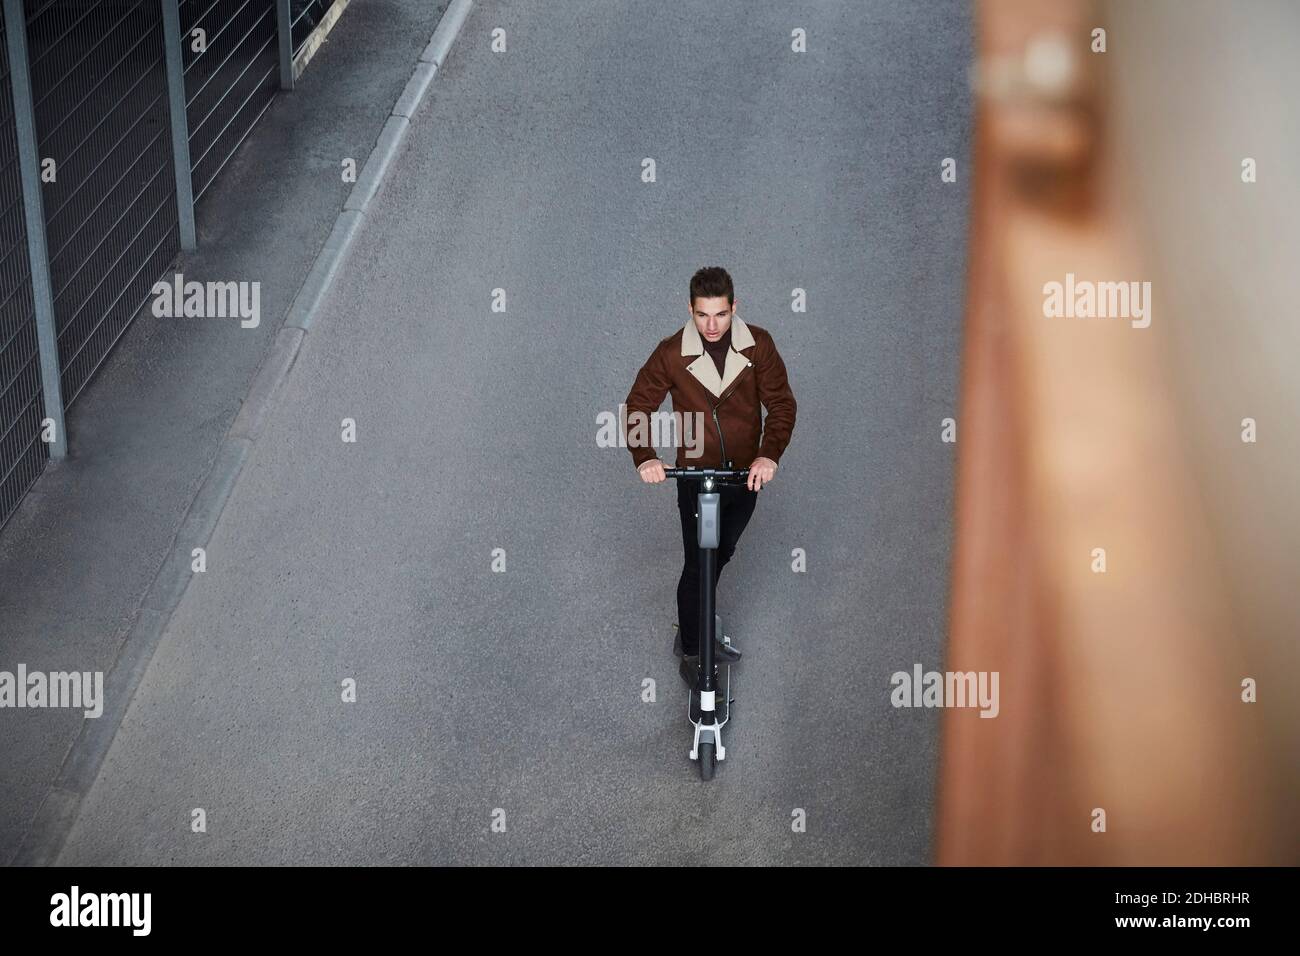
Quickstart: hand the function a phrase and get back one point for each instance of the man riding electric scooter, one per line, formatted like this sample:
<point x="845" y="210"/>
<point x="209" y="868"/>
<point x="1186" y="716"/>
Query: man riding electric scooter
<point x="722" y="372"/>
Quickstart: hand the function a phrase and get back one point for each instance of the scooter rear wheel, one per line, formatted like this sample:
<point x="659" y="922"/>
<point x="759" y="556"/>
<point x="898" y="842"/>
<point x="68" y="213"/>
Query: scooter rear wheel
<point x="708" y="761"/>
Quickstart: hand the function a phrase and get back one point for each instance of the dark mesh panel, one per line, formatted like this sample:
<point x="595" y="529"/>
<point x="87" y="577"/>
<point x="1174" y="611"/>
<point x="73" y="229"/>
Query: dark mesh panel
<point x="100" y="92"/>
<point x="231" y="82"/>
<point x="22" y="453"/>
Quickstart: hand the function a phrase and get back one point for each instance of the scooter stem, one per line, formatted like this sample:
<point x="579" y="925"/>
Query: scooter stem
<point x="708" y="560"/>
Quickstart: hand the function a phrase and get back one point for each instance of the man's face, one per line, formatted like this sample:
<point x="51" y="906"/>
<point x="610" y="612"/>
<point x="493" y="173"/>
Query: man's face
<point x="712" y="317"/>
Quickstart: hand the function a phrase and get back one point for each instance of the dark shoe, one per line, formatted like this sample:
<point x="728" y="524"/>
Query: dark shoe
<point x="690" y="670"/>
<point x="722" y="653"/>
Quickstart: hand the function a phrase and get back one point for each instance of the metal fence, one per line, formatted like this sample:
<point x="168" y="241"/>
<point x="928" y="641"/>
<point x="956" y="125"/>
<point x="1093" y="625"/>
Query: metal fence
<point x="230" y="79"/>
<point x="22" y="453"/>
<point x="100" y="99"/>
<point x="306" y="14"/>
<point x="117" y="183"/>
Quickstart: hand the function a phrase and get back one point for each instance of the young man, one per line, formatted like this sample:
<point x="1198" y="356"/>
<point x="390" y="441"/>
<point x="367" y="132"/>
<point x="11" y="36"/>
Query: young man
<point x="721" y="373"/>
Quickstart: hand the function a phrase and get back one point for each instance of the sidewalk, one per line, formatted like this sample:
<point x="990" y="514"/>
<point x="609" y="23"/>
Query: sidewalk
<point x="518" y="694"/>
<point x="80" y="552"/>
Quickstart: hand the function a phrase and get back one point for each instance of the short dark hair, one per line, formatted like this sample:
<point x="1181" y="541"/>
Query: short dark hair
<point x="711" y="282"/>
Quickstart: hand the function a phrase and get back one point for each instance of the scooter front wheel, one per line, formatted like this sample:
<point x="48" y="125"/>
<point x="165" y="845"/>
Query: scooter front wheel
<point x="708" y="761"/>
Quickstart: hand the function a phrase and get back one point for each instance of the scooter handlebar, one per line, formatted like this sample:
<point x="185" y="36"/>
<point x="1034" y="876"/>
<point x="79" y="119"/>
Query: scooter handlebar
<point x="717" y="474"/>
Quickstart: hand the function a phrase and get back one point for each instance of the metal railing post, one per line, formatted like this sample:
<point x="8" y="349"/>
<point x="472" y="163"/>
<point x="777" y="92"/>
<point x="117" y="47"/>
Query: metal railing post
<point x="284" y="27"/>
<point x="29" y="166"/>
<point x="180" y="123"/>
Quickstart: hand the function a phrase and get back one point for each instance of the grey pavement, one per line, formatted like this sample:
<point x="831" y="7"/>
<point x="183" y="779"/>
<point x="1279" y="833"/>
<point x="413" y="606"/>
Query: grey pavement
<point x="522" y="690"/>
<point x="79" y="554"/>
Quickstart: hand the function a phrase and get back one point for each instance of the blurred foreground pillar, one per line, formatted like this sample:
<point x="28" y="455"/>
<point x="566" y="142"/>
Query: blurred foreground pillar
<point x="1119" y="439"/>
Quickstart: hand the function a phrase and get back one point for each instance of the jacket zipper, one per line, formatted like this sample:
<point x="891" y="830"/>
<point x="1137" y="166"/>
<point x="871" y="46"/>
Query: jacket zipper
<point x="718" y="425"/>
<point x="721" y="441"/>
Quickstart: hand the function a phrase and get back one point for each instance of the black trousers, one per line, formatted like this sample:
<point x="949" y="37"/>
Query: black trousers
<point x="737" y="507"/>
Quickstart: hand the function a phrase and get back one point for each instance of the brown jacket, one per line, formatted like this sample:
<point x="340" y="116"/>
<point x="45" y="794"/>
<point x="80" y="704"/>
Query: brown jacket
<point x="755" y="378"/>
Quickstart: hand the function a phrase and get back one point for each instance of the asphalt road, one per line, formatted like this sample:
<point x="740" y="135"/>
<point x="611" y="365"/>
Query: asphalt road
<point x="476" y="430"/>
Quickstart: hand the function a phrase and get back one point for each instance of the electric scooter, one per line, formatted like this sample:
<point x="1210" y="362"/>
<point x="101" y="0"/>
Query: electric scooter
<point x="707" y="710"/>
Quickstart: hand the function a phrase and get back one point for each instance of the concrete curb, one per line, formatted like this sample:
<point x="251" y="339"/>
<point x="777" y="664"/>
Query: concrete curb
<point x="446" y="32"/>
<point x="376" y="167"/>
<point x="58" y="812"/>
